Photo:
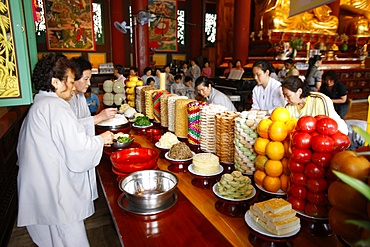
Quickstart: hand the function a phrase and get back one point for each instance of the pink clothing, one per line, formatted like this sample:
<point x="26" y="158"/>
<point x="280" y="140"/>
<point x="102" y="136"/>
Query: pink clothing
<point x="206" y="72"/>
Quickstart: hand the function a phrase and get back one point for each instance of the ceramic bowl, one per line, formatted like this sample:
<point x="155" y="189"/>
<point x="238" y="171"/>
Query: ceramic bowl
<point x="134" y="159"/>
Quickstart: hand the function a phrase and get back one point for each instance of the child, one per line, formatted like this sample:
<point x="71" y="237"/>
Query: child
<point x="189" y="90"/>
<point x="177" y="87"/>
<point x="92" y="101"/>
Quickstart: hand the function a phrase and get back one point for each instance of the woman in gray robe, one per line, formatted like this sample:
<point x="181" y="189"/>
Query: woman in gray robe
<point x="55" y="157"/>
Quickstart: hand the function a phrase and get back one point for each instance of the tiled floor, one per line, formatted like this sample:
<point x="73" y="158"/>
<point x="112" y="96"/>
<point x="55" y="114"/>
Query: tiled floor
<point x="100" y="228"/>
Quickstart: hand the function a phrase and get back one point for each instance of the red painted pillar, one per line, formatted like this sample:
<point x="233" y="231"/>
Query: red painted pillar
<point x="118" y="48"/>
<point x="140" y="38"/>
<point x="242" y="12"/>
<point x="195" y="30"/>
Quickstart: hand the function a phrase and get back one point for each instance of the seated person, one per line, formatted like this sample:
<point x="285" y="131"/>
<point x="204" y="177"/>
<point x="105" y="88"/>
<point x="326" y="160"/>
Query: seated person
<point x="189" y="91"/>
<point x="336" y="91"/>
<point x="303" y="102"/>
<point x="212" y="95"/>
<point x="150" y="81"/>
<point x="228" y="69"/>
<point x="177" y="87"/>
<point x="267" y="94"/>
<point x="292" y="70"/>
<point x="92" y="101"/>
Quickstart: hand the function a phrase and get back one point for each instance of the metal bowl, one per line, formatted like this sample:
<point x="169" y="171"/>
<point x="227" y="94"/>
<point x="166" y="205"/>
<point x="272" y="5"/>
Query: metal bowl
<point x="121" y="145"/>
<point x="149" y="189"/>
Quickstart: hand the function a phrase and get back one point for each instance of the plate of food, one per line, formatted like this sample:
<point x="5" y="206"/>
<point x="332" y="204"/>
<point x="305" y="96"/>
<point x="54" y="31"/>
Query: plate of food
<point x="261" y="230"/>
<point x="280" y="192"/>
<point x="179" y="152"/>
<point x="191" y="170"/>
<point x="142" y="122"/>
<point x="122" y="140"/>
<point x="232" y="195"/>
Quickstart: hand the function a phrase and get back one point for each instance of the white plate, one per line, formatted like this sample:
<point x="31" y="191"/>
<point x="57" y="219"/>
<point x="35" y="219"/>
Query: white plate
<point x="157" y="145"/>
<point x="258" y="228"/>
<point x="170" y="159"/>
<point x="278" y="193"/>
<point x="214" y="188"/>
<point x="191" y="170"/>
<point x="142" y="127"/>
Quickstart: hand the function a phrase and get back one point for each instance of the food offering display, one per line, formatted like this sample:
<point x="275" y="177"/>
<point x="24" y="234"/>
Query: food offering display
<point x="179" y="156"/>
<point x="194" y="109"/>
<point x="206" y="170"/>
<point x="244" y="138"/>
<point x="140" y="98"/>
<point x="234" y="192"/>
<point x="164" y="110"/>
<point x="313" y="144"/>
<point x="272" y="172"/>
<point x="172" y="111"/>
<point x="122" y="140"/>
<point x="156" y="98"/>
<point x="181" y="118"/>
<point x="272" y="222"/>
<point x="346" y="202"/>
<point x="132" y="82"/>
<point x="208" y="127"/>
<point x="225" y="124"/>
<point x="165" y="143"/>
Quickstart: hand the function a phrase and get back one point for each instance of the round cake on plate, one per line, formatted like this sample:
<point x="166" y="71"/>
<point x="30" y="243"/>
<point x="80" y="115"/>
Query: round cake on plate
<point x="206" y="163"/>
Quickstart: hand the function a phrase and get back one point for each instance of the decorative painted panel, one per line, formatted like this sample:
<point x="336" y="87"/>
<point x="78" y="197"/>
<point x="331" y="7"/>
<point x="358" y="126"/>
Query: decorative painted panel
<point x="15" y="69"/>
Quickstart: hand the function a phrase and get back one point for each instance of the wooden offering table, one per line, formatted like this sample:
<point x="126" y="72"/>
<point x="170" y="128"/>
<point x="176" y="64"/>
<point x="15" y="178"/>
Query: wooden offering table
<point x="192" y="221"/>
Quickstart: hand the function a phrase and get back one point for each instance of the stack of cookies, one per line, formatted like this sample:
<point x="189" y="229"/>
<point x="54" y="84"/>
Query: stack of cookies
<point x="225" y="123"/>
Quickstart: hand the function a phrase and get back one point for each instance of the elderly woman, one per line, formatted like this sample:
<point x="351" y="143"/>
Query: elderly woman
<point x="78" y="104"/>
<point x="303" y="102"/>
<point x="212" y="95"/>
<point x="267" y="94"/>
<point x="336" y="91"/>
<point x="56" y="158"/>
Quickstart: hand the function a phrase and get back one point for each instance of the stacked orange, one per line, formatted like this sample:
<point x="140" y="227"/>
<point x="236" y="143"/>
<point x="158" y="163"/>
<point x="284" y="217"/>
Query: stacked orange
<point x="272" y="148"/>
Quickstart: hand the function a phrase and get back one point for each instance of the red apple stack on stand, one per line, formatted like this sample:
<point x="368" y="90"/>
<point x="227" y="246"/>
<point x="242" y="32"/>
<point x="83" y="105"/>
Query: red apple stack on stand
<point x="313" y="144"/>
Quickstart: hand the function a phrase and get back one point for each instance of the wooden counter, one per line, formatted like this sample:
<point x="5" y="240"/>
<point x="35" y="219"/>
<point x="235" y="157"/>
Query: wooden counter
<point x="233" y="229"/>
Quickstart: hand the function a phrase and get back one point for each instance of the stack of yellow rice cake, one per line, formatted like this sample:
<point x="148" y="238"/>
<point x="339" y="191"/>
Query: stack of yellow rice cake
<point x="275" y="215"/>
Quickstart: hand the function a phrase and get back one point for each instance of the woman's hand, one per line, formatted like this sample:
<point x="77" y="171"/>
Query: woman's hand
<point x="105" y="114"/>
<point x="107" y="137"/>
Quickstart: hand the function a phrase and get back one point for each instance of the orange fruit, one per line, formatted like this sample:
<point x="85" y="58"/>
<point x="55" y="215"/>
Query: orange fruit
<point x="290" y="124"/>
<point x="278" y="131"/>
<point x="260" y="162"/>
<point x="273" y="168"/>
<point x="280" y="114"/>
<point x="271" y="184"/>
<point x="285" y="163"/>
<point x="275" y="150"/>
<point x="260" y="145"/>
<point x="259" y="176"/>
<point x="263" y="127"/>
<point x="284" y="182"/>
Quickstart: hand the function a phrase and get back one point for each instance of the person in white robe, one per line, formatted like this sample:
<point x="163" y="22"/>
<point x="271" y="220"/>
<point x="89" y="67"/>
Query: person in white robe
<point x="267" y="94"/>
<point x="55" y="157"/>
<point x="212" y="95"/>
<point x="78" y="103"/>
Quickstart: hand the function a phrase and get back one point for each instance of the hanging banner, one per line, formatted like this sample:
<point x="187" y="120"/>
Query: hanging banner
<point x="300" y="6"/>
<point x="163" y="33"/>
